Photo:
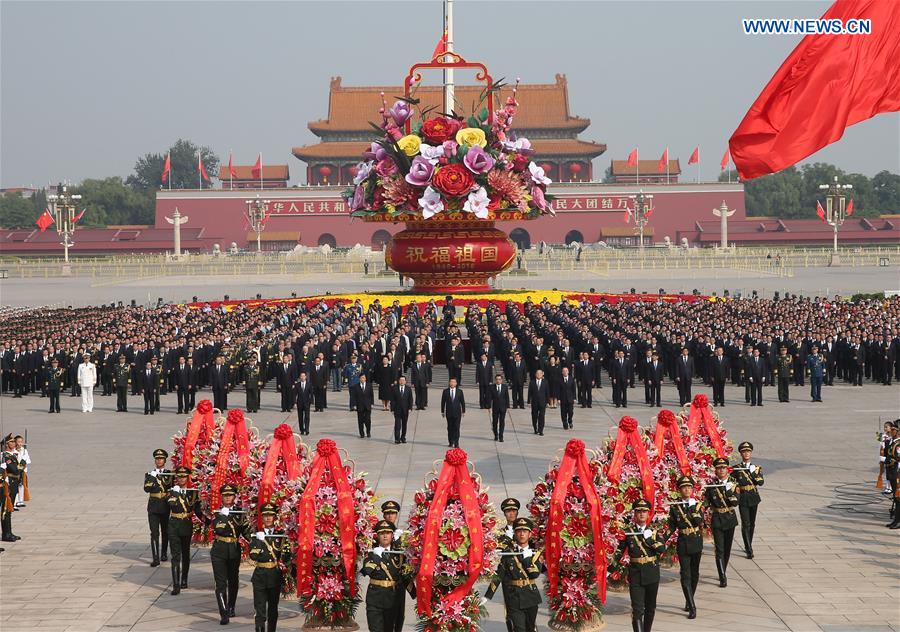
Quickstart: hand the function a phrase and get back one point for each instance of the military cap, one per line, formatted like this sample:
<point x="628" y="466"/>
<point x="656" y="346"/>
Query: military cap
<point x="523" y="523"/>
<point x="745" y="445"/>
<point x="510" y="503"/>
<point x="159" y="453"/>
<point x="684" y="481"/>
<point x="384" y="526"/>
<point x="390" y="505"/>
<point x="182" y="470"/>
<point x="720" y="462"/>
<point x="783" y="347"/>
<point x="641" y="505"/>
<point x="7" y="438"/>
<point x="228" y="490"/>
<point x="268" y="509"/>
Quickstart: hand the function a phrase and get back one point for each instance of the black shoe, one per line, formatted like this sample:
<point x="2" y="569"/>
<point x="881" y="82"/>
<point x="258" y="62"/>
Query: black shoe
<point x="402" y="440"/>
<point x="362" y="436"/>
<point x="723" y="581"/>
<point x="501" y="439"/>
<point x="8" y="538"/>
<point x="541" y="433"/>
<point x="231" y="612"/>
<point x="396" y="442"/>
<point x="163" y="558"/>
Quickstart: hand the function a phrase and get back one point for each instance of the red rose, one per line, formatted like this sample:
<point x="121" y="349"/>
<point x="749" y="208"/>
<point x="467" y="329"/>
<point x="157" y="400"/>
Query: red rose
<point x="620" y="508"/>
<point x="453" y="180"/>
<point x="420" y="498"/>
<point x="204" y="407"/>
<point x="437" y="130"/>
<point x="520" y="162"/>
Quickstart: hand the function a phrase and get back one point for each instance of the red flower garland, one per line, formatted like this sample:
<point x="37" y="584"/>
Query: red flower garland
<point x="626" y="435"/>
<point x="666" y="423"/>
<point x="282" y="446"/>
<point x="202" y="420"/>
<point x="235" y="430"/>
<point x="700" y="413"/>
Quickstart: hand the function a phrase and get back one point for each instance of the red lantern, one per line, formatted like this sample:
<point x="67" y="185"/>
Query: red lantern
<point x="547" y="167"/>
<point x="353" y="171"/>
<point x="324" y="171"/>
<point x="575" y="168"/>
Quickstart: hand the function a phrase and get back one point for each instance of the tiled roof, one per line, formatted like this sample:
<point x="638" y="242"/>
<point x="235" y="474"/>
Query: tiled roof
<point x="541" y="106"/>
<point x="647" y="168"/>
<point x="245" y="172"/>
<point x="352" y="150"/>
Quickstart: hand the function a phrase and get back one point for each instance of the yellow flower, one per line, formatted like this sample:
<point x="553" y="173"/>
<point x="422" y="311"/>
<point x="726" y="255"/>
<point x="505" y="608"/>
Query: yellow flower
<point x="471" y="136"/>
<point x="410" y="144"/>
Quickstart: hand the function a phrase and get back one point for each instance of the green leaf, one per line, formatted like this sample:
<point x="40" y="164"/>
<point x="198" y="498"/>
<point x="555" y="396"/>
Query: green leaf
<point x="409" y="100"/>
<point x="473" y="122"/>
<point x="483" y="115"/>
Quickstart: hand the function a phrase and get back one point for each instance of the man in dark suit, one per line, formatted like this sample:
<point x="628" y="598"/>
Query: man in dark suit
<point x="598" y="355"/>
<point x="684" y="375"/>
<point x="619" y="371"/>
<point x="756" y="377"/>
<point x="538" y="394"/>
<point x="453" y="407"/>
<point x="566" y="398"/>
<point x="584" y="379"/>
<point x="319" y="379"/>
<point x="364" y="397"/>
<point x="420" y="375"/>
<point x="401" y="404"/>
<point x="484" y="372"/>
<point x="182" y="384"/>
<point x="286" y="378"/>
<point x="653" y="377"/>
<point x="499" y="405"/>
<point x="719" y="373"/>
<point x="516" y="378"/>
<point x="304" y="400"/>
<point x="149" y="388"/>
<point x="455" y="359"/>
<point x="218" y="382"/>
<point x="194" y="380"/>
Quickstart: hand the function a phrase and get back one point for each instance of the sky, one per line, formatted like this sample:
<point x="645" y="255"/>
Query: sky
<point x="88" y="87"/>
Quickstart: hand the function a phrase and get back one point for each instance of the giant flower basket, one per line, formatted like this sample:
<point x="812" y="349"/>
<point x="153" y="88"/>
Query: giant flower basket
<point x="329" y="512"/>
<point x="452" y="543"/>
<point x="630" y="470"/>
<point x="450" y="178"/>
<point x="567" y="511"/>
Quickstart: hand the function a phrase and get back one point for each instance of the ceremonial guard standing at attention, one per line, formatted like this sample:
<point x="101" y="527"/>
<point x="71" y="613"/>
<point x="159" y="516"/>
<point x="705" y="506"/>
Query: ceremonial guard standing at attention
<point x="749" y="478"/>
<point x="268" y="549"/>
<point x="121" y="380"/>
<point x="386" y="580"/>
<point x="891" y="459"/>
<point x="156" y="483"/>
<point x="54" y="384"/>
<point x="784" y="369"/>
<point x="816" y="368"/>
<point x="505" y="540"/>
<point x="517" y="573"/>
<point x="390" y="510"/>
<point x="228" y="526"/>
<point x="253" y="382"/>
<point x="722" y="497"/>
<point x="14" y="468"/>
<point x="184" y="504"/>
<point x="6" y="499"/>
<point x="685" y="515"/>
<point x="644" y="549"/>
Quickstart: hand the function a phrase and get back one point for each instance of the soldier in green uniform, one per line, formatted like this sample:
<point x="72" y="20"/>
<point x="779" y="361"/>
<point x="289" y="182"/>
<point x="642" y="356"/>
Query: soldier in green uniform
<point x="55" y="378"/>
<point x="510" y="508"/>
<point x="722" y="497"/>
<point x="269" y="548"/>
<point x="8" y="463"/>
<point x="387" y="578"/>
<point x="891" y="460"/>
<point x="253" y="382"/>
<point x="644" y="549"/>
<point x="784" y="370"/>
<point x="228" y="526"/>
<point x="517" y="573"/>
<point x="749" y="478"/>
<point x="121" y="380"/>
<point x="157" y="484"/>
<point x="686" y="516"/>
<point x="184" y="504"/>
<point x="390" y="511"/>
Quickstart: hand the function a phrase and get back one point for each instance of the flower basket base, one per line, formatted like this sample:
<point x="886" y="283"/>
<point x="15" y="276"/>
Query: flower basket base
<point x="618" y="587"/>
<point x="593" y="625"/>
<point x="316" y="624"/>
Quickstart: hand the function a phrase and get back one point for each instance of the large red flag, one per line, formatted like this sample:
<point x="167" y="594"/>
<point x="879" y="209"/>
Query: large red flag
<point x="441" y="45"/>
<point x="828" y="83"/>
<point x="725" y="159"/>
<point x="167" y="168"/>
<point x="849" y="208"/>
<point x="257" y="168"/>
<point x="664" y="160"/>
<point x="231" y="172"/>
<point x="45" y="220"/>
<point x="695" y="157"/>
<point x="633" y="158"/>
<point x="820" y="212"/>
<point x="201" y="168"/>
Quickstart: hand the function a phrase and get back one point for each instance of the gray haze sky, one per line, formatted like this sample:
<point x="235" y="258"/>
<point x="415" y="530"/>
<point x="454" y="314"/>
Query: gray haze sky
<point x="88" y="87"/>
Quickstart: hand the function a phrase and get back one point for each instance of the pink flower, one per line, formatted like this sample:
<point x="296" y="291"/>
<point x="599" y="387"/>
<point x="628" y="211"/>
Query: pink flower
<point x="385" y="167"/>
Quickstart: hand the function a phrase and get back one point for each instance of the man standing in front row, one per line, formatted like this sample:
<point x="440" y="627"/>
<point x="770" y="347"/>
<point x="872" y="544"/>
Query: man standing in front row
<point x="499" y="406"/>
<point x="363" y="397"/>
<point x="453" y="407"/>
<point x="538" y="394"/>
<point x="121" y="380"/>
<point x="401" y="404"/>
<point x="87" y="378"/>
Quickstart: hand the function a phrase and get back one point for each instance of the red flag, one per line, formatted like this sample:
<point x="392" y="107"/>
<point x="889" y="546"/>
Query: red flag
<point x="231" y="172"/>
<point x="695" y="157"/>
<point x="625" y="218"/>
<point x="633" y="158"/>
<point x="849" y="208"/>
<point x="78" y="217"/>
<point x="664" y="160"/>
<point x="167" y="167"/>
<point x="257" y="168"/>
<point x="441" y="46"/>
<point x="725" y="158"/>
<point x="201" y="168"/>
<point x="45" y="220"/>
<point x="820" y="211"/>
<point x="828" y="83"/>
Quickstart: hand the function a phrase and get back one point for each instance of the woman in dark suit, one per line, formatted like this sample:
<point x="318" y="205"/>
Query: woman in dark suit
<point x="554" y="377"/>
<point x="385" y="375"/>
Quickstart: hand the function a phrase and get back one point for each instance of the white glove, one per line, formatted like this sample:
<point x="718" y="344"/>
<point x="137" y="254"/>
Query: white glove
<point x="527" y="552"/>
<point x="176" y="489"/>
<point x="881" y="458"/>
<point x="729" y="485"/>
<point x="397" y="534"/>
<point x="648" y="533"/>
<point x="3" y="465"/>
<point x="483" y="601"/>
<point x="692" y="502"/>
<point x="153" y="473"/>
<point x="752" y="469"/>
<point x="378" y="550"/>
<point x="509" y="532"/>
<point x="224" y="511"/>
<point x="261" y="535"/>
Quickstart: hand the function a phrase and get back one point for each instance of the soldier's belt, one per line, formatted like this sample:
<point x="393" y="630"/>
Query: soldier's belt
<point x="689" y="530"/>
<point x="723" y="509"/>
<point x="180" y="516"/>
<point x="647" y="559"/>
<point x="522" y="583"/>
<point x="266" y="564"/>
<point x="383" y="583"/>
<point x="158" y="494"/>
<point x="747" y="488"/>
<point x="12" y="477"/>
<point x="221" y="538"/>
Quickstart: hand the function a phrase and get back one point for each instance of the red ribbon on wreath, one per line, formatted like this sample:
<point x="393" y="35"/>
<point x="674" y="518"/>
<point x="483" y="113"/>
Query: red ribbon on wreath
<point x="202" y="420"/>
<point x="700" y="413"/>
<point x="574" y="462"/>
<point x="628" y="435"/>
<point x="454" y="474"/>
<point x="667" y="424"/>
<point x="327" y="456"/>
<point x="282" y="446"/>
<point x="235" y="431"/>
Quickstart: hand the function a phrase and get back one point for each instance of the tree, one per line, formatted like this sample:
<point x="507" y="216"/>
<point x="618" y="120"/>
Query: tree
<point x="730" y="175"/>
<point x="814" y="175"/>
<point x="148" y="169"/>
<point x="776" y="195"/>
<point x="111" y="201"/>
<point x="17" y="211"/>
<point x="886" y="186"/>
<point x="865" y="202"/>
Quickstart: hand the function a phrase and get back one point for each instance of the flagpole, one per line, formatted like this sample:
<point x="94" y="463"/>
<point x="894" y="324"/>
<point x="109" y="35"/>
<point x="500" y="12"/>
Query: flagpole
<point x="169" y="160"/>
<point x="667" y="165"/>
<point x="449" y="88"/>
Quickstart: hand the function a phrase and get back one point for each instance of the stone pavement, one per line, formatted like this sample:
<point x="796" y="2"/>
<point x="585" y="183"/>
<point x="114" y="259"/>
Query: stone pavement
<point x="824" y="560"/>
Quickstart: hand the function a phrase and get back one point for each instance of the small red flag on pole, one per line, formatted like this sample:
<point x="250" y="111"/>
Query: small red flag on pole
<point x="725" y="158"/>
<point x="820" y="211"/>
<point x="231" y="171"/>
<point x="441" y="46"/>
<point x="695" y="157"/>
<point x="257" y="170"/>
<point x="664" y="159"/>
<point x="45" y="220"/>
<point x="849" y="208"/>
<point x="202" y="170"/>
<point x="626" y="215"/>
<point x="633" y="158"/>
<point x="78" y="217"/>
<point x="167" y="168"/>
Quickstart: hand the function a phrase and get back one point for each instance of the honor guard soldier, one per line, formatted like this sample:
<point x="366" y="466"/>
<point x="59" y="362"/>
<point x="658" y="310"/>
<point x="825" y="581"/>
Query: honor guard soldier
<point x="6" y="502"/>
<point x="784" y="370"/>
<point x="388" y="574"/>
<point x="14" y="468"/>
<point x="56" y="377"/>
<point x="749" y="478"/>
<point x="891" y="459"/>
<point x="517" y="573"/>
<point x="390" y="510"/>
<point x="157" y="484"/>
<point x="253" y="382"/>
<point x="817" y="370"/>
<point x="510" y="508"/>
<point x="686" y="517"/>
<point x="228" y="525"/>
<point x="644" y="549"/>
<point x="121" y="379"/>
<point x="269" y="549"/>
<point x="184" y="504"/>
<point x="722" y="497"/>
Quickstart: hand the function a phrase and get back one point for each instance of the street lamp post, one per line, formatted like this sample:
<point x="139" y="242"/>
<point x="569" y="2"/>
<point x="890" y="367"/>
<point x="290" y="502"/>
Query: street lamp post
<point x="63" y="204"/>
<point x="640" y="212"/>
<point x="835" y="205"/>
<point x="256" y="215"/>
